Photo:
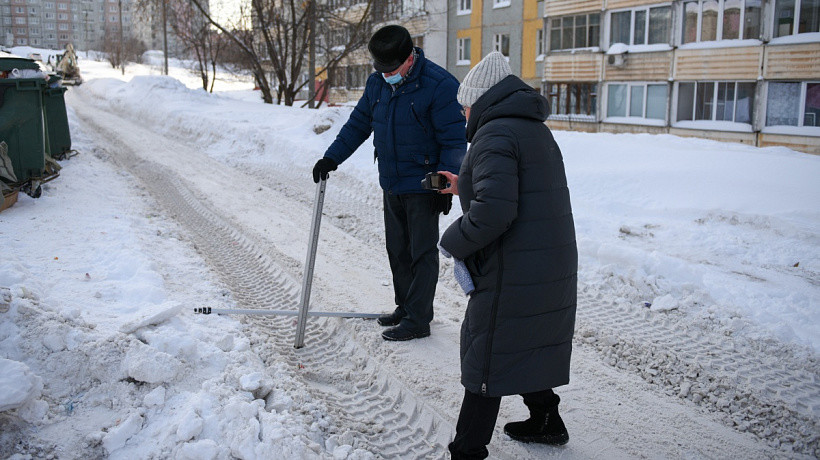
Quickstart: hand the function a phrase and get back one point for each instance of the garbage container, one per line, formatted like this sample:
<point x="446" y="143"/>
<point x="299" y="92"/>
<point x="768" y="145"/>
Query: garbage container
<point x="21" y="122"/>
<point x="56" y="120"/>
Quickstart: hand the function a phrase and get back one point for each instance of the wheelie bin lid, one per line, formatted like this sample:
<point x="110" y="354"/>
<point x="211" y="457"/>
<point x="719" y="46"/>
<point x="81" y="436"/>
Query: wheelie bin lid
<point x="9" y="62"/>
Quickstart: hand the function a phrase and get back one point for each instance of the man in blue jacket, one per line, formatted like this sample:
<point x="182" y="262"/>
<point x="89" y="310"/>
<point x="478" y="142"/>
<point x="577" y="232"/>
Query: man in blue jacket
<point x="410" y="105"/>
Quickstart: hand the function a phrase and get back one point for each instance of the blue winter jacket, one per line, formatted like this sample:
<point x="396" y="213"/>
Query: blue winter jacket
<point x="418" y="128"/>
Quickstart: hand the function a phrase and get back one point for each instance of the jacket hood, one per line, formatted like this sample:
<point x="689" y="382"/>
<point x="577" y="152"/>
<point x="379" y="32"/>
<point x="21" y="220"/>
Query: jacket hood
<point x="509" y="98"/>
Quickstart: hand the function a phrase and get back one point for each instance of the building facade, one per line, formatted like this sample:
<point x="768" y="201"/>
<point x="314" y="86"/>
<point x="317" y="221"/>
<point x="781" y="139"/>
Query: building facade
<point x="732" y="70"/>
<point x="426" y="20"/>
<point x="512" y="27"/>
<point x="52" y="24"/>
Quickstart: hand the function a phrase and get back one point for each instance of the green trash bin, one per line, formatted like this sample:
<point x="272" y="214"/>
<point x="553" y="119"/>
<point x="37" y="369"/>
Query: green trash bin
<point x="21" y="125"/>
<point x="56" y="118"/>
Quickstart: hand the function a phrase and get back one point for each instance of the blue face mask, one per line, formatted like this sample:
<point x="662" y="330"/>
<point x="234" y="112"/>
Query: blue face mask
<point x="393" y="79"/>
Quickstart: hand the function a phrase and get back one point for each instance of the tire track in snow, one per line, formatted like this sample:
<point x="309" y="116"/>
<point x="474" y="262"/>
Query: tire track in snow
<point x="369" y="408"/>
<point x="772" y="393"/>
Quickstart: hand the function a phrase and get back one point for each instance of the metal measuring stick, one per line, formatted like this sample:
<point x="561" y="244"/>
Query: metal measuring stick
<point x="307" y="282"/>
<point x="255" y="312"/>
<point x="307" y="279"/>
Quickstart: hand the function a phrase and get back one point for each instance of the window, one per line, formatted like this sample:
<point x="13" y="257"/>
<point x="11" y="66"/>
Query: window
<point x="786" y="102"/>
<point x="112" y="8"/>
<point x="350" y="77"/>
<point x="501" y="42"/>
<point x="465" y="6"/>
<point x="716" y="101"/>
<point x="62" y="6"/>
<point x="572" y="99"/>
<point x="710" y="20"/>
<point x="463" y="51"/>
<point x="33" y="20"/>
<point x="637" y="100"/>
<point x="500" y="3"/>
<point x="19" y="10"/>
<point x="796" y="17"/>
<point x="539" y="42"/>
<point x="62" y="16"/>
<point x="63" y="26"/>
<point x="575" y="32"/>
<point x="21" y="30"/>
<point x="19" y="20"/>
<point x="659" y="27"/>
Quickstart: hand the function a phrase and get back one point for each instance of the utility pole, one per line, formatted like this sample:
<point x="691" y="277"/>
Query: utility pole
<point x="122" y="47"/>
<point x="312" y="54"/>
<point x="165" y="36"/>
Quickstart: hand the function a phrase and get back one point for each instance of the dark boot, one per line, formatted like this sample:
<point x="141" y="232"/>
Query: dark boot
<point x="402" y="334"/>
<point x="392" y="319"/>
<point x="544" y="425"/>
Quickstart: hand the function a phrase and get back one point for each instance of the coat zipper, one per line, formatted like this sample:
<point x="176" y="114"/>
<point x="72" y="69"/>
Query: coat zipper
<point x="493" y="314"/>
<point x="416" y="116"/>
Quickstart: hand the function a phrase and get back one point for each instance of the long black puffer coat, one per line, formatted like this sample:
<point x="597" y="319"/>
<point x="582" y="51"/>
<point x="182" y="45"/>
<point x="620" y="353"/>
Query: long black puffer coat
<point x="517" y="238"/>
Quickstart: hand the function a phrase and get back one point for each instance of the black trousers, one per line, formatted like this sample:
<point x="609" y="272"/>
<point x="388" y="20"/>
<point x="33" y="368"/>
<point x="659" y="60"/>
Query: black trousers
<point x="476" y="422"/>
<point x="411" y="233"/>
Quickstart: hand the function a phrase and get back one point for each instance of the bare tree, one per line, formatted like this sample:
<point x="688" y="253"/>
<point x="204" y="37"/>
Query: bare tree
<point x="112" y="49"/>
<point x="131" y="48"/>
<point x="278" y="44"/>
<point x="194" y="31"/>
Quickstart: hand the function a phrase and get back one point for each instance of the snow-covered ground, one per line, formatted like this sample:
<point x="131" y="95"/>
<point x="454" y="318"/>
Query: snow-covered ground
<point x="697" y="336"/>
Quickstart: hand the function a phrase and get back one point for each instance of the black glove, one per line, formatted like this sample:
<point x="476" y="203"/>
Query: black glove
<point x="442" y="202"/>
<point x="322" y="168"/>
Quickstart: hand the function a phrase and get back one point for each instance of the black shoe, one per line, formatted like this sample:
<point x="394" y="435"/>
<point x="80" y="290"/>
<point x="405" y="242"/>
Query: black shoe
<point x="541" y="427"/>
<point x="391" y="319"/>
<point x="400" y="334"/>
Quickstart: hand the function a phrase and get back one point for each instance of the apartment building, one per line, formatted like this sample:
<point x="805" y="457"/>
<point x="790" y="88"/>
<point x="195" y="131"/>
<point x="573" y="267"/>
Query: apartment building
<point x="512" y="27"/>
<point x="52" y="24"/>
<point x="732" y="70"/>
<point x="426" y="20"/>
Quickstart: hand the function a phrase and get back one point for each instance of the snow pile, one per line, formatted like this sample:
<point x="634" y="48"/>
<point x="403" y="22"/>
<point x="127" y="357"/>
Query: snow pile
<point x="225" y="126"/>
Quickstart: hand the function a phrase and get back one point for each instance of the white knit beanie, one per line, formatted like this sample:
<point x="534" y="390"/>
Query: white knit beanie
<point x="491" y="70"/>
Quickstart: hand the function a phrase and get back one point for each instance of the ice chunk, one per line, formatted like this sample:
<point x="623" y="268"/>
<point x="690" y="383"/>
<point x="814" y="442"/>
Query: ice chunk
<point x="18" y="384"/>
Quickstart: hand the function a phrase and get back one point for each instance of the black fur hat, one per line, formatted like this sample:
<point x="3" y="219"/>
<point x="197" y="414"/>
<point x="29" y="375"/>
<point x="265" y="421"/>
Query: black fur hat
<point x="390" y="47"/>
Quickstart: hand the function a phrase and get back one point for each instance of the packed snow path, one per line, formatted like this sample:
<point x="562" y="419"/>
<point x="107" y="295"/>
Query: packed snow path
<point x="719" y="379"/>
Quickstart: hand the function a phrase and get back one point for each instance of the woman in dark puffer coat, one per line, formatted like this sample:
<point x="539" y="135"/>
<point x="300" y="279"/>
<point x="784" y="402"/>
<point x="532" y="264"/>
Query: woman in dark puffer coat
<point x="517" y="239"/>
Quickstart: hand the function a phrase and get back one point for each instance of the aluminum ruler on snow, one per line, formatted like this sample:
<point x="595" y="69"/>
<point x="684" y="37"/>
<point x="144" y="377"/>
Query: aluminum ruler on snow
<point x="307" y="283"/>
